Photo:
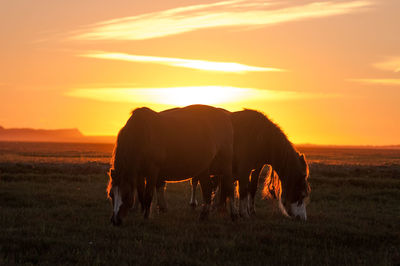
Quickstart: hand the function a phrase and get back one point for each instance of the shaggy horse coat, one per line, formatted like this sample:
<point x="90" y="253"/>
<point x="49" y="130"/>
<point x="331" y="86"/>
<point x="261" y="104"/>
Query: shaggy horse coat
<point x="194" y="141"/>
<point x="258" y="141"/>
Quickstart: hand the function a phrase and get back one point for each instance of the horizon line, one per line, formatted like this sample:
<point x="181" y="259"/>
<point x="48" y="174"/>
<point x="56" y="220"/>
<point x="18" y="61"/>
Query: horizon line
<point x="83" y="135"/>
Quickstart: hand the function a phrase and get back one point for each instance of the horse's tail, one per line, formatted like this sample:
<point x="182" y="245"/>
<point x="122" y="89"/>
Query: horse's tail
<point x="272" y="185"/>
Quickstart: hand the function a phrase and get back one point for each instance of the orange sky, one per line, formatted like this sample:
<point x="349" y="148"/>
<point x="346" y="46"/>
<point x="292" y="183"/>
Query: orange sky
<point x="327" y="72"/>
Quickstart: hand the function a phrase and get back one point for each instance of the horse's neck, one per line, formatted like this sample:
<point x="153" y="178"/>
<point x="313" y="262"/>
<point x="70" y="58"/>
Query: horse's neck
<point x="278" y="156"/>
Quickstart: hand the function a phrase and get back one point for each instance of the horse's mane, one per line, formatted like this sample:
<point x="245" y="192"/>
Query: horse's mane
<point x="130" y="141"/>
<point x="272" y="135"/>
<point x="260" y="122"/>
<point x="272" y="187"/>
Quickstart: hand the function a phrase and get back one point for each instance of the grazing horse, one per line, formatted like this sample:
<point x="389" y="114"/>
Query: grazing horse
<point x="258" y="141"/>
<point x="194" y="141"/>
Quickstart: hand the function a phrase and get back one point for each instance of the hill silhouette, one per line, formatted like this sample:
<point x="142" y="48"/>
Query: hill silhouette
<point x="74" y="135"/>
<point x="50" y="135"/>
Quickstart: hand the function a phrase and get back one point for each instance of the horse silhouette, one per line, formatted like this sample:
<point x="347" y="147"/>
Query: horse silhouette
<point x="194" y="141"/>
<point x="257" y="142"/>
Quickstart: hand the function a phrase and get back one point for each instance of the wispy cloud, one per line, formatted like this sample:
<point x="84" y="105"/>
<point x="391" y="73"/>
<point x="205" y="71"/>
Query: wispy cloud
<point x="220" y="14"/>
<point x="186" y="63"/>
<point x="181" y="96"/>
<point x="390" y="64"/>
<point x="389" y="82"/>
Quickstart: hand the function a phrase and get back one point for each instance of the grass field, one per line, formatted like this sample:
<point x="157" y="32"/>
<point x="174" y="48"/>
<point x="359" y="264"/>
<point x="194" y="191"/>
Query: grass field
<point x="53" y="210"/>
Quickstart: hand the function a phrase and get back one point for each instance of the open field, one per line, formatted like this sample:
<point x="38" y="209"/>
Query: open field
<point x="53" y="210"/>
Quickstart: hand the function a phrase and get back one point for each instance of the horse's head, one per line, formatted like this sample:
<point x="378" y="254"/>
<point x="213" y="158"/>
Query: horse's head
<point x="120" y="192"/>
<point x="295" y="189"/>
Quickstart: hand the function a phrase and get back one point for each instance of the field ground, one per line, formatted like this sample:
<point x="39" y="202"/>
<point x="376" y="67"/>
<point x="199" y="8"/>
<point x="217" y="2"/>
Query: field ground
<point x="53" y="210"/>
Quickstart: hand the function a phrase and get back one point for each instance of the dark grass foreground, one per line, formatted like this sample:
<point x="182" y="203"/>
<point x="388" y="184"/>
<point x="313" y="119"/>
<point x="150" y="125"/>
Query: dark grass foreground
<point x="57" y="213"/>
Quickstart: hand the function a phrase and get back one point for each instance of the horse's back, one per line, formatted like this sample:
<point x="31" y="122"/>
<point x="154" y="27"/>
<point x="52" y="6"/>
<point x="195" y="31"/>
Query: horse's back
<point x="181" y="142"/>
<point x="193" y="138"/>
<point x="207" y="121"/>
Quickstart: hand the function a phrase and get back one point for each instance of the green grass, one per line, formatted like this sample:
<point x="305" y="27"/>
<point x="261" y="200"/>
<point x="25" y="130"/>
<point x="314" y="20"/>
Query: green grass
<point x="58" y="214"/>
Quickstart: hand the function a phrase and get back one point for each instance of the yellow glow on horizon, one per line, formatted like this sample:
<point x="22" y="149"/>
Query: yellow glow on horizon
<point x="180" y="62"/>
<point x="182" y="96"/>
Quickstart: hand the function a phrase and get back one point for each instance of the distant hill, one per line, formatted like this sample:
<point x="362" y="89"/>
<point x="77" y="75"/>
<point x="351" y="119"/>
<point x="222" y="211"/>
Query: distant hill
<point x="74" y="135"/>
<point x="367" y="147"/>
<point x="50" y="135"/>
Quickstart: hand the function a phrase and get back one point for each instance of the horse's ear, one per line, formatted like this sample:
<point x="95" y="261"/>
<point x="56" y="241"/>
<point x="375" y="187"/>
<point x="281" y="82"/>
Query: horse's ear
<point x="302" y="158"/>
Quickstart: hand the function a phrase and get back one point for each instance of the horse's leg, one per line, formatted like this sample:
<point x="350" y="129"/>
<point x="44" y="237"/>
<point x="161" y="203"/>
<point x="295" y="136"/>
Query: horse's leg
<point x="216" y="202"/>
<point x="243" y="172"/>
<point x="243" y="192"/>
<point x="205" y="184"/>
<point x="227" y="191"/>
<point x="193" y="202"/>
<point x="162" y="204"/>
<point x="151" y="182"/>
<point x="140" y="186"/>
<point x="253" y="189"/>
<point x="136" y="202"/>
<point x="221" y="196"/>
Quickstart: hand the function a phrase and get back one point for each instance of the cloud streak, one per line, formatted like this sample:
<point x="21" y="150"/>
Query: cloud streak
<point x="181" y="96"/>
<point x="390" y="64"/>
<point x="185" y="63"/>
<point x="388" y="82"/>
<point x="238" y="13"/>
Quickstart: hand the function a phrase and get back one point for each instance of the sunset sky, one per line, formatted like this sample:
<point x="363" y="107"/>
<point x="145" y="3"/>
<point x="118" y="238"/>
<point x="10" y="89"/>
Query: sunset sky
<point x="328" y="72"/>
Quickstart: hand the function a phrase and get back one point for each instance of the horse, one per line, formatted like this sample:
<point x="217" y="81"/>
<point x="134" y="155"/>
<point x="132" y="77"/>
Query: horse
<point x="193" y="141"/>
<point x="257" y="142"/>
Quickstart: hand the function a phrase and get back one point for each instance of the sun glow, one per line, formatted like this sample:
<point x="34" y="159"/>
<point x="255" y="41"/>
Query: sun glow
<point x="182" y="96"/>
<point x="179" y="96"/>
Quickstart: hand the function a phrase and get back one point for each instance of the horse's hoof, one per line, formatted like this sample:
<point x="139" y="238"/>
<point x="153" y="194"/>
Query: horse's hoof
<point x="221" y="208"/>
<point x="213" y="208"/>
<point x="245" y="215"/>
<point x="203" y="216"/>
<point x="162" y="210"/>
<point x="116" y="221"/>
<point x="205" y="212"/>
<point x="234" y="217"/>
<point x="193" y="205"/>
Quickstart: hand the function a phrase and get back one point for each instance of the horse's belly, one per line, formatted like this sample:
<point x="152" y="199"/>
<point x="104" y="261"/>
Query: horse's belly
<point x="175" y="169"/>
